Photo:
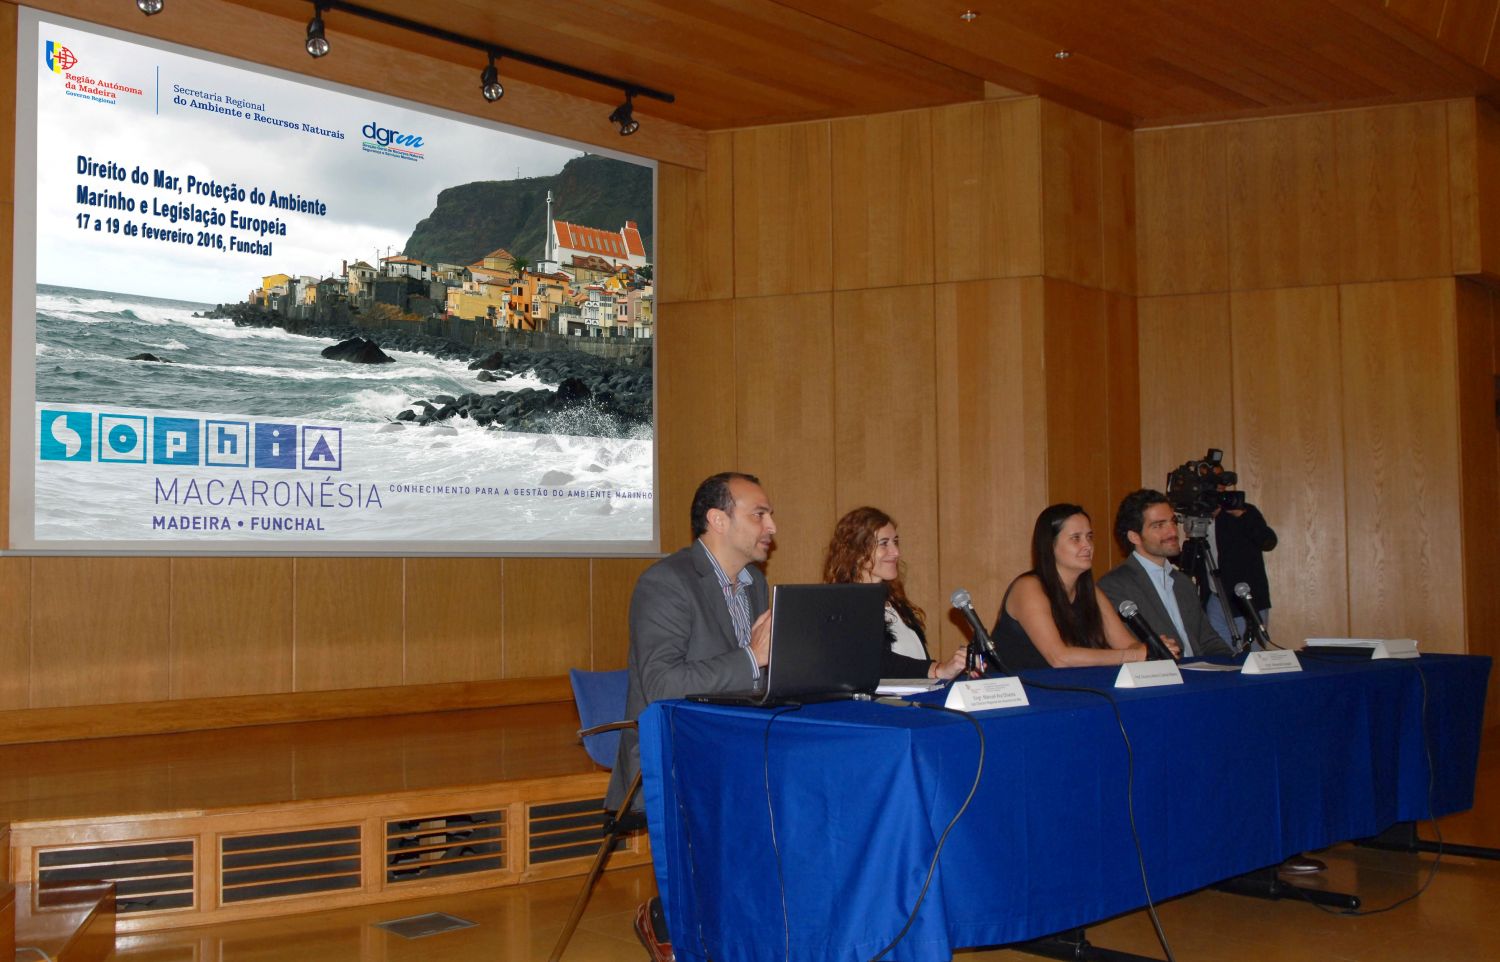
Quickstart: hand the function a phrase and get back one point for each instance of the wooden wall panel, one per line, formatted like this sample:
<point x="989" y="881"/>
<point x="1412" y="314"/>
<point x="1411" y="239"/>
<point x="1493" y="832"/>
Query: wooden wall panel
<point x="695" y="399"/>
<point x="1118" y="207"/>
<point x="1288" y="429"/>
<point x="1393" y="210"/>
<point x="885" y="421"/>
<point x="1072" y="182"/>
<point x="1187" y="397"/>
<point x="783" y="229"/>
<point x="1182" y="210"/>
<point x="1463" y="185"/>
<point x="1487" y="162"/>
<point x="546" y="619"/>
<point x="784" y="409"/>
<point x="15" y="633"/>
<point x="695" y="226"/>
<point x="348" y="623"/>
<point x="1478" y="350"/>
<point x="231" y="626"/>
<point x="992" y="433"/>
<point x="986" y="190"/>
<point x="1283" y="196"/>
<point x="1076" y="344"/>
<point x="99" y="630"/>
<point x="453" y="619"/>
<point x="1401" y="461"/>
<point x="882" y="200"/>
<point x="613" y="582"/>
<point x="1122" y="410"/>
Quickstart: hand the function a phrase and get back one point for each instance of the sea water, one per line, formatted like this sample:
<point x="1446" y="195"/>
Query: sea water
<point x="450" y="482"/>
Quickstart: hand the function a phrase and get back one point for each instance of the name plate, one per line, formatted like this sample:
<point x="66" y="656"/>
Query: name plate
<point x="1271" y="662"/>
<point x="1148" y="674"/>
<point x="986" y="694"/>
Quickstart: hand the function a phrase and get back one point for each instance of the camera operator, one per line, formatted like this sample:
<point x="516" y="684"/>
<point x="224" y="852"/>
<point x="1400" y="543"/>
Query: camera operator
<point x="1241" y="537"/>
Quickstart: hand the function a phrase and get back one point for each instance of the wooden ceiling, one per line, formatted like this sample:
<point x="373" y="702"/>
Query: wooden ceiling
<point x="738" y="63"/>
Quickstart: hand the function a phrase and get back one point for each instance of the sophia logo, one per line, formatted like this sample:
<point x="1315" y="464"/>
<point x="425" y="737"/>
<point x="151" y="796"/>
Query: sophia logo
<point x="59" y="58"/>
<point x="386" y="137"/>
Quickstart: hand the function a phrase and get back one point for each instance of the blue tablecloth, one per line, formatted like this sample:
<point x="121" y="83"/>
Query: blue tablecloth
<point x="1232" y="773"/>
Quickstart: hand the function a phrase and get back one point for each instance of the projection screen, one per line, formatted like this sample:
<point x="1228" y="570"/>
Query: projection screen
<point x="257" y="313"/>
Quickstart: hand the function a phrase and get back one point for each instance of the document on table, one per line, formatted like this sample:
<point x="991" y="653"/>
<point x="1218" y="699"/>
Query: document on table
<point x="1206" y="666"/>
<point x="906" y="686"/>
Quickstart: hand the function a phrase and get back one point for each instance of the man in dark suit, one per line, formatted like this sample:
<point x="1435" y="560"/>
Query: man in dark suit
<point x="1146" y="526"/>
<point x="1242" y="537"/>
<point x="699" y="622"/>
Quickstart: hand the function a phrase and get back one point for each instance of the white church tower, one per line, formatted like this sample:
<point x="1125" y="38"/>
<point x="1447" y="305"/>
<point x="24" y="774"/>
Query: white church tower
<point x="548" y="263"/>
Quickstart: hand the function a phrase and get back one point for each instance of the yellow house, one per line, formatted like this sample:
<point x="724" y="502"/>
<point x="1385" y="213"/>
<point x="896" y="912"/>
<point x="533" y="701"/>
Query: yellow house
<point x="275" y="283"/>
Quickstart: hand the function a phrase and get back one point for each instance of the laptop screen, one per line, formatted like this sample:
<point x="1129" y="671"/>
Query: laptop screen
<point x="826" y="640"/>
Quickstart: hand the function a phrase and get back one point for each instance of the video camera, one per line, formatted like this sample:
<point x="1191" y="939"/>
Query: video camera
<point x="1193" y="489"/>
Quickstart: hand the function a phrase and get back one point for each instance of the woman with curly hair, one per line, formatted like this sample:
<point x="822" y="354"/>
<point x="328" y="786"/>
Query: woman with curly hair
<point x="866" y="549"/>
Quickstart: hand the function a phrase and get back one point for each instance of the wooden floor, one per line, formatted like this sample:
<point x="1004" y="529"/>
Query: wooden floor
<point x="1458" y="918"/>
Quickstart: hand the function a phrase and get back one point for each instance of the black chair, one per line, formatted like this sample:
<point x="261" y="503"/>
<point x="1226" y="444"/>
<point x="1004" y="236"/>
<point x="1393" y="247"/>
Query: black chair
<point x="600" y="697"/>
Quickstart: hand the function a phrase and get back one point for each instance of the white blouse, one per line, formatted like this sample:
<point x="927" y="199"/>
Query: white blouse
<point x="908" y="643"/>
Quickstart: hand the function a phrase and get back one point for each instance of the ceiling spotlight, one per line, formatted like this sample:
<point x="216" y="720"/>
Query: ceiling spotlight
<point x="969" y="16"/>
<point x="1062" y="55"/>
<point x="149" y="7"/>
<point x="317" y="44"/>
<point x="489" y="82"/>
<point x="623" y="115"/>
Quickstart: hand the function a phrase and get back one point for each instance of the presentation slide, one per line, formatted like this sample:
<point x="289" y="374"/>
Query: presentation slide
<point x="256" y="313"/>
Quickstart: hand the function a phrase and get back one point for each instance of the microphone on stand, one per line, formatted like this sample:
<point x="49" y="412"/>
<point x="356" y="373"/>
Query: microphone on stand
<point x="1242" y="592"/>
<point x="961" y="600"/>
<point x="1130" y="613"/>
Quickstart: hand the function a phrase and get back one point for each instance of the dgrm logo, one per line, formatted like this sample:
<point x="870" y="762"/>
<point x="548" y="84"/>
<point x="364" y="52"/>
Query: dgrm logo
<point x="385" y="136"/>
<point x="67" y="436"/>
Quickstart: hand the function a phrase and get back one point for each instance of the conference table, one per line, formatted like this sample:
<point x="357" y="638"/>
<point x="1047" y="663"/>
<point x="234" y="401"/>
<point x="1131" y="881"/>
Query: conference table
<point x="808" y="833"/>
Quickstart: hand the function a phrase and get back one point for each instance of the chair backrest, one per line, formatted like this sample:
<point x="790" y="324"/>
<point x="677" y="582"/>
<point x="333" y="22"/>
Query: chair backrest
<point x="600" y="696"/>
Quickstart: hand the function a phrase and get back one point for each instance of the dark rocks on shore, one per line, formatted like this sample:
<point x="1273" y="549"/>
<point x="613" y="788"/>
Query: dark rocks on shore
<point x="573" y="389"/>
<point x="595" y="395"/>
<point x="358" y="350"/>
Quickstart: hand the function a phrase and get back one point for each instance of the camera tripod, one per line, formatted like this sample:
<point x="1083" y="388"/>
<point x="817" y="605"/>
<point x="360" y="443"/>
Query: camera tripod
<point x="1199" y="562"/>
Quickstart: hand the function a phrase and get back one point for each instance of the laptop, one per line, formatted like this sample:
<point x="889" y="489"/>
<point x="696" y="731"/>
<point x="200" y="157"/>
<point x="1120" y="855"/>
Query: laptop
<point x="826" y="644"/>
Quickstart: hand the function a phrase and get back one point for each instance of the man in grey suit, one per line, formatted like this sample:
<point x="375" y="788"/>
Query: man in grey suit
<point x="699" y="622"/>
<point x="1146" y="526"/>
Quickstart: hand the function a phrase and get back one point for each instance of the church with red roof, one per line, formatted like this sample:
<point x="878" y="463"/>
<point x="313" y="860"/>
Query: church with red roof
<point x="621" y="249"/>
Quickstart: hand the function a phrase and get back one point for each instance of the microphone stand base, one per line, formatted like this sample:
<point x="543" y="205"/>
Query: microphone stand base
<point x="1073" y="944"/>
<point x="1403" y="837"/>
<point x="1266" y="884"/>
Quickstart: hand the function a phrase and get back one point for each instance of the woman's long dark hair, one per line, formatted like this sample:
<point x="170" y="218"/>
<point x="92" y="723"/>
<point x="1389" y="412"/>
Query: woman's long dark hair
<point x="1078" y="621"/>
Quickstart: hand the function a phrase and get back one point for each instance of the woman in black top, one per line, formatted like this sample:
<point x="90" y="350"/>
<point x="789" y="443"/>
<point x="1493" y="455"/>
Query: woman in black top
<point x="865" y="548"/>
<point x="1053" y="615"/>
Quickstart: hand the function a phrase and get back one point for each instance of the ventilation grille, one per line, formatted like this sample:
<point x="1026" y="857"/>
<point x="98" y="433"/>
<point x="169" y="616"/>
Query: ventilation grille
<point x="282" y="864"/>
<point x="148" y="877"/>
<point x="443" y="845"/>
<point x="563" y="830"/>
